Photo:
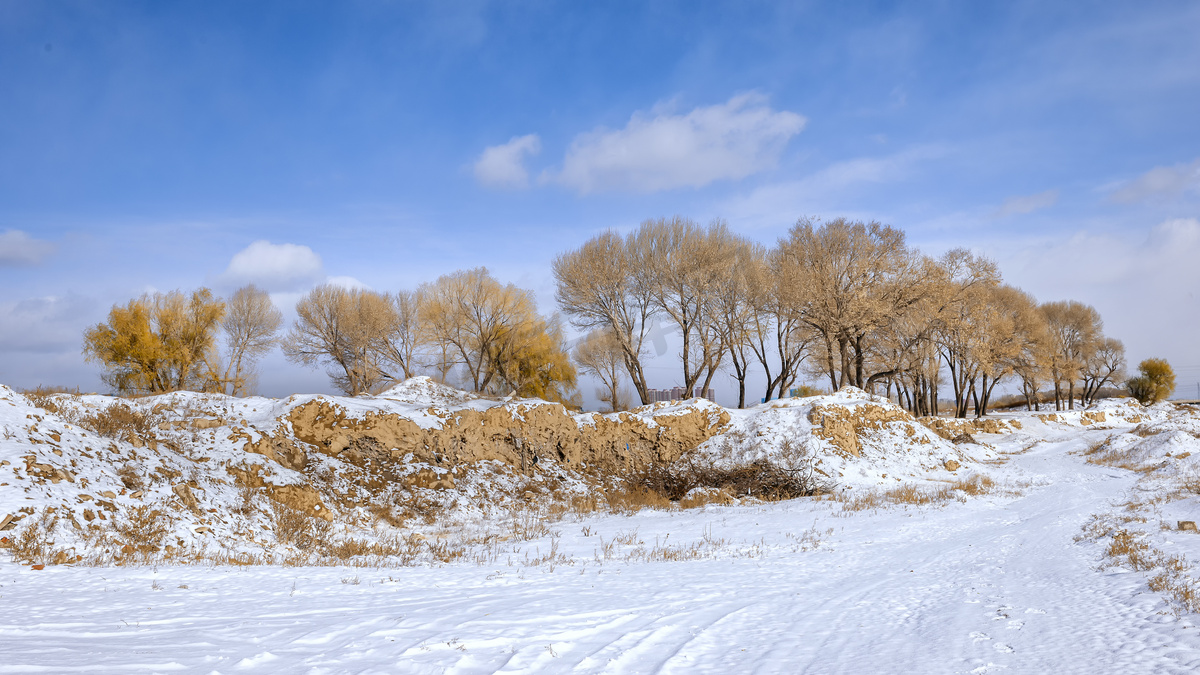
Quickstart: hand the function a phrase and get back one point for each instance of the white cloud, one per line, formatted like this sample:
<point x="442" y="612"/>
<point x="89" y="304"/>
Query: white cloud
<point x="1027" y="203"/>
<point x="348" y="283"/>
<point x="1161" y="181"/>
<point x="18" y="248"/>
<point x="662" y="151"/>
<point x="503" y="166"/>
<point x="1145" y="284"/>
<point x="274" y="267"/>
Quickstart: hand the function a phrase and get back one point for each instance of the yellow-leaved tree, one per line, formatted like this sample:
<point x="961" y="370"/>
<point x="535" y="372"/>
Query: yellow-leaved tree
<point x="157" y="343"/>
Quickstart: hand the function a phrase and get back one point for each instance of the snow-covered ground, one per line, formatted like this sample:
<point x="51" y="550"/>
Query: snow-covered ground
<point x="999" y="582"/>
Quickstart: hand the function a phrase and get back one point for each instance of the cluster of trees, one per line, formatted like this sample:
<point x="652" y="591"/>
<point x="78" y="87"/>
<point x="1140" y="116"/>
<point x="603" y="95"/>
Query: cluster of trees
<point x="165" y="342"/>
<point x="489" y="333"/>
<point x="848" y="302"/>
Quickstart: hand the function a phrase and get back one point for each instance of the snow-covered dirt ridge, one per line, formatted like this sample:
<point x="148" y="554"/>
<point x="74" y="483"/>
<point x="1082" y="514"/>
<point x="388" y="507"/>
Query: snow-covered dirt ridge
<point x="1015" y="579"/>
<point x="418" y="461"/>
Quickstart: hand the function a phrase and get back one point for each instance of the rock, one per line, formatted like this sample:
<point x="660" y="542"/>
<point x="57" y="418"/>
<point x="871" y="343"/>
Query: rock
<point x="963" y="438"/>
<point x="184" y="492"/>
<point x="951" y="465"/>
<point x="279" y="448"/>
<point x="38" y="567"/>
<point x="1187" y="525"/>
<point x="108" y="494"/>
<point x="203" y="529"/>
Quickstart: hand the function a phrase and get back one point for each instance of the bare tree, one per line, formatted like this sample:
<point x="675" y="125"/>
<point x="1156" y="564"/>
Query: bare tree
<point x="600" y="354"/>
<point x="398" y="345"/>
<point x="251" y="325"/>
<point x="339" y="327"/>
<point x="733" y="308"/>
<point x="494" y="331"/>
<point x="1105" y="365"/>
<point x="681" y="265"/>
<point x="856" y="277"/>
<point x="1075" y="330"/>
<point x="597" y="288"/>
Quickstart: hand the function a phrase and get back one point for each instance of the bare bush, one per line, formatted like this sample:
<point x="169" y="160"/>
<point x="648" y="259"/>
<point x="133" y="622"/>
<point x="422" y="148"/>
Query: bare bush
<point x="142" y="530"/>
<point x="761" y="479"/>
<point x="118" y="421"/>
<point x="292" y="527"/>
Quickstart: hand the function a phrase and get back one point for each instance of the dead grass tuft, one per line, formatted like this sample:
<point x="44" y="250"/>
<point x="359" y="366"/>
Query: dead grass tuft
<point x="130" y="477"/>
<point x="975" y="485"/>
<point x="141" y="530"/>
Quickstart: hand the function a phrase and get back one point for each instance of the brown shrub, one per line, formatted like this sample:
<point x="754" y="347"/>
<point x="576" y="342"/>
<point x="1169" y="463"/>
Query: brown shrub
<point x="293" y="527"/>
<point x="118" y="421"/>
<point x="34" y="543"/>
<point x="142" y="530"/>
<point x="762" y="479"/>
<point x="130" y="478"/>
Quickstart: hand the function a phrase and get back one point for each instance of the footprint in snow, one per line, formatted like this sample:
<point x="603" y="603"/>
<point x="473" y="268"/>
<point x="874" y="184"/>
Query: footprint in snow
<point x="1001" y="647"/>
<point x="1035" y="611"/>
<point x="1016" y="625"/>
<point x="979" y="637"/>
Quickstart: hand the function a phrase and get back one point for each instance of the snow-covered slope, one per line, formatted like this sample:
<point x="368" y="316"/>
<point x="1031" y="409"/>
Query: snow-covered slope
<point x="223" y="476"/>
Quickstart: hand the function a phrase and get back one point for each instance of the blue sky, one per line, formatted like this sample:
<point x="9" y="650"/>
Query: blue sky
<point x="151" y="145"/>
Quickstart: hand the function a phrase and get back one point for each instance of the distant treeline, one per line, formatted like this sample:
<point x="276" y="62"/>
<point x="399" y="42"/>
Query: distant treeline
<point x="848" y="303"/>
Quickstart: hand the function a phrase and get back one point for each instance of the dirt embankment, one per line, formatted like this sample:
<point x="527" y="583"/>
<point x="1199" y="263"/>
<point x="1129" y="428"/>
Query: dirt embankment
<point x="950" y="428"/>
<point x="842" y="425"/>
<point x="518" y="434"/>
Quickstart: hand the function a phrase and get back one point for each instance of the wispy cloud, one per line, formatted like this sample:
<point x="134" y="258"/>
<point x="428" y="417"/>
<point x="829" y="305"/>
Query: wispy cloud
<point x="664" y="151"/>
<point x="825" y="189"/>
<point x="1161" y="181"/>
<point x="1027" y="203"/>
<point x="503" y="166"/>
<point x="17" y="248"/>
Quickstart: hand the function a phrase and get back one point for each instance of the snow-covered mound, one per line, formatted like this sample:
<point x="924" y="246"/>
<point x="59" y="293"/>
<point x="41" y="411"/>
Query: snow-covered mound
<point x="1165" y="441"/>
<point x="852" y="437"/>
<point x="230" y="477"/>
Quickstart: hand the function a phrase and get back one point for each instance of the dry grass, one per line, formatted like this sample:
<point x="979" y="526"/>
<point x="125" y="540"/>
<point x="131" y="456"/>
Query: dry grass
<point x="141" y="531"/>
<point x="1190" y="483"/>
<point x="296" y="528"/>
<point x="1130" y="548"/>
<point x="975" y="485"/>
<point x="915" y="495"/>
<point x="34" y="543"/>
<point x="117" y="421"/>
<point x="130" y="477"/>
<point x="44" y="397"/>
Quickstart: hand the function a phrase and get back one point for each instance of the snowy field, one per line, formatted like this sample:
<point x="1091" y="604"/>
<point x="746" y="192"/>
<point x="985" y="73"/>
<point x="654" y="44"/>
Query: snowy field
<point x="999" y="582"/>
